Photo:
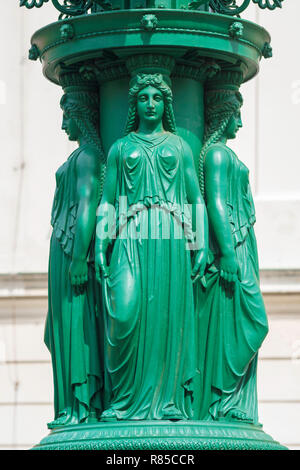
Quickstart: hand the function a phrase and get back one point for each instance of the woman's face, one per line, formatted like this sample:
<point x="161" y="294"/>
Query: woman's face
<point x="70" y="127"/>
<point x="150" y="105"/>
<point x="235" y="123"/>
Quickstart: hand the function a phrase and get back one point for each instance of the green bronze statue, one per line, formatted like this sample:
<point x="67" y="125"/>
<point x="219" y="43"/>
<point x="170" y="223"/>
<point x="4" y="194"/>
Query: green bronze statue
<point x="233" y="322"/>
<point x="72" y="327"/>
<point x="149" y="347"/>
<point x="155" y="312"/>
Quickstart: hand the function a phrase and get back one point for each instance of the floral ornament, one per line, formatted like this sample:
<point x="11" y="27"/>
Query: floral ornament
<point x="149" y="79"/>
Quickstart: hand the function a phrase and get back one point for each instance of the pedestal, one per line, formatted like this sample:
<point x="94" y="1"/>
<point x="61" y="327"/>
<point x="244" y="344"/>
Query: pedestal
<point x="197" y="51"/>
<point x="159" y="435"/>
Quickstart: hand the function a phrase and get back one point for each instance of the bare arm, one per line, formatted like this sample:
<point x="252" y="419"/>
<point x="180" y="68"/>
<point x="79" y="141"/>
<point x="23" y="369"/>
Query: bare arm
<point x="88" y="187"/>
<point x="199" y="214"/>
<point x="216" y="183"/>
<point x="103" y="212"/>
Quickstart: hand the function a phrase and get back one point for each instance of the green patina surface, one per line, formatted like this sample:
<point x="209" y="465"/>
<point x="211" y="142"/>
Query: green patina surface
<point x="157" y="435"/>
<point x="155" y="313"/>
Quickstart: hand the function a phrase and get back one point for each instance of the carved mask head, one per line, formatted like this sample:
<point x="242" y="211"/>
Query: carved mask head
<point x="149" y="22"/>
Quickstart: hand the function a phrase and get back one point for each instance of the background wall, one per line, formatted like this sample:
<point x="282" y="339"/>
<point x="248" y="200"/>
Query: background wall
<point x="33" y="147"/>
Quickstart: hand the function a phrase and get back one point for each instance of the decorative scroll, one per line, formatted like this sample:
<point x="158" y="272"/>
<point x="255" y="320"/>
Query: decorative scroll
<point x="270" y="4"/>
<point x="82" y="7"/>
<point x="229" y="7"/>
<point x="32" y="3"/>
<point x="235" y="7"/>
<point x="66" y="7"/>
<point x="72" y="7"/>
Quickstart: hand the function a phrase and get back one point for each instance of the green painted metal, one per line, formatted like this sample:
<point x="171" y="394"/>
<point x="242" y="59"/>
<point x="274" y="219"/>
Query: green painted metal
<point x="155" y="313"/>
<point x="72" y="328"/>
<point x="232" y="313"/>
<point x="159" y="435"/>
<point x="177" y="33"/>
<point x="150" y="180"/>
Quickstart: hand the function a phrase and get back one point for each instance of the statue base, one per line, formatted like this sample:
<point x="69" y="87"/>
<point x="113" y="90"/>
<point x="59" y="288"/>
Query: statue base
<point x="159" y="435"/>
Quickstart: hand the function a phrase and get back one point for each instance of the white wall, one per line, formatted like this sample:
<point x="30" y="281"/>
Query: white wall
<point x="32" y="144"/>
<point x="268" y="143"/>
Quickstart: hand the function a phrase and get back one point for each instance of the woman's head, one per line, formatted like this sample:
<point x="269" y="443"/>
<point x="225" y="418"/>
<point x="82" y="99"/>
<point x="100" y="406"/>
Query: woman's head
<point x="150" y="105"/>
<point x="150" y="98"/>
<point x="222" y="113"/>
<point x="81" y="116"/>
<point x="70" y="127"/>
<point x="222" y="120"/>
<point x="234" y="124"/>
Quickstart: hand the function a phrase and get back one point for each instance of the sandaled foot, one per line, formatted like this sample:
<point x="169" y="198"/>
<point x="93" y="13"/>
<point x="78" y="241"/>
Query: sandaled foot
<point x="65" y="418"/>
<point x="172" y="414"/>
<point x="60" y="421"/>
<point x="239" y="415"/>
<point x="109" y="415"/>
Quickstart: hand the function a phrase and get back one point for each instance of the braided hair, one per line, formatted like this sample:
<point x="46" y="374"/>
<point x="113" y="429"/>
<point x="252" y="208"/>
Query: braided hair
<point x="82" y="106"/>
<point x="157" y="81"/>
<point x="220" y="106"/>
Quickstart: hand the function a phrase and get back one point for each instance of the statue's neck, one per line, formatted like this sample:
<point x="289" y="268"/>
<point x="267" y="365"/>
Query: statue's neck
<point x="223" y="139"/>
<point x="150" y="128"/>
<point x="82" y="141"/>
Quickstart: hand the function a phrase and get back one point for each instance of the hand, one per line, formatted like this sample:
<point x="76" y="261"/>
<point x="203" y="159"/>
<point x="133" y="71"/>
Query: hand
<point x="199" y="264"/>
<point x="101" y="265"/>
<point x="229" y="268"/>
<point x="79" y="274"/>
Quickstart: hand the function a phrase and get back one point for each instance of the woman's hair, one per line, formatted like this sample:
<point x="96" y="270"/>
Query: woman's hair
<point x="157" y="81"/>
<point x="83" y="107"/>
<point x="220" y="106"/>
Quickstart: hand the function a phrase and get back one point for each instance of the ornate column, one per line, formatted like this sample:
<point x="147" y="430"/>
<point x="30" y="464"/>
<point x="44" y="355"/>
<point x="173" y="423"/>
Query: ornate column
<point x="162" y="363"/>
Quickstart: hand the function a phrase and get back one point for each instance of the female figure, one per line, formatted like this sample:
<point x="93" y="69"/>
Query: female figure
<point x="149" y="341"/>
<point x="72" y="325"/>
<point x="232" y="321"/>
